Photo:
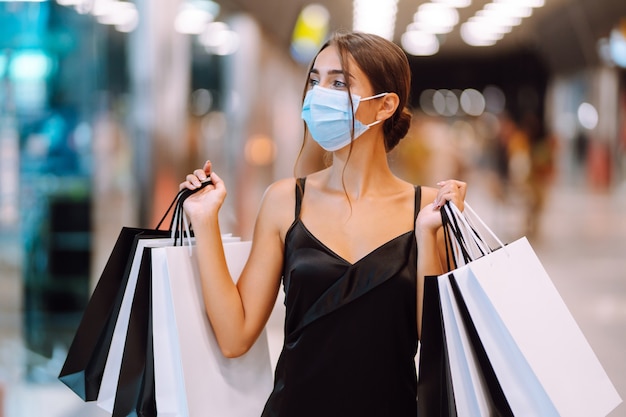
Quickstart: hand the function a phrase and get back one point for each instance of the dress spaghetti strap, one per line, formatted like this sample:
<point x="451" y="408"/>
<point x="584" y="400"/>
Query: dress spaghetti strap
<point x="418" y="202"/>
<point x="299" y="193"/>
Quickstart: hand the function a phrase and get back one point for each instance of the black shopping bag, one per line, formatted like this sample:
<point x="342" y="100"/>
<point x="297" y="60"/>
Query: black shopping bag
<point x="435" y="397"/>
<point x="87" y="355"/>
<point x="135" y="394"/>
<point x="435" y="389"/>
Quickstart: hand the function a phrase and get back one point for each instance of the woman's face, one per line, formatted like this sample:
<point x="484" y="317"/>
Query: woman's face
<point x="327" y="73"/>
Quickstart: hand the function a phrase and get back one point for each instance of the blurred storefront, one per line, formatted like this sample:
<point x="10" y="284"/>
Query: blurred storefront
<point x="51" y="71"/>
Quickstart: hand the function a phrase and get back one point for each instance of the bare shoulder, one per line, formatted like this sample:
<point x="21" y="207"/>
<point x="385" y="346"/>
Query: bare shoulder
<point x="278" y="204"/>
<point x="280" y="193"/>
<point x="428" y="195"/>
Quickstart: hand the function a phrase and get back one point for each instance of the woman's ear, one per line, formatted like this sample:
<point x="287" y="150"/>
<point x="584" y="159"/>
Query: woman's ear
<point x="389" y="104"/>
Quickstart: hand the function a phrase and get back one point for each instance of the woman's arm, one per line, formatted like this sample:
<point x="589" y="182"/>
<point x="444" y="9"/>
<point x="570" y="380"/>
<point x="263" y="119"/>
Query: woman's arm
<point x="429" y="235"/>
<point x="238" y="313"/>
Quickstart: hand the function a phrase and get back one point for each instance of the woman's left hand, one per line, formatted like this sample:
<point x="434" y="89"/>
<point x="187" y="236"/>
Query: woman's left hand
<point x="451" y="190"/>
<point x="429" y="218"/>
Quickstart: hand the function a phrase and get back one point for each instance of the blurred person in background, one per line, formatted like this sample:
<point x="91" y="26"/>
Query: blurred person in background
<point x="513" y="156"/>
<point x="524" y="166"/>
<point x="344" y="241"/>
<point x="510" y="153"/>
<point x="543" y="148"/>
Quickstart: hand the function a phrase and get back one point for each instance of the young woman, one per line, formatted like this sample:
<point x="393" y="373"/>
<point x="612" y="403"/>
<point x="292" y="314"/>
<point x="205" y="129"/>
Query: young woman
<point x="344" y="241"/>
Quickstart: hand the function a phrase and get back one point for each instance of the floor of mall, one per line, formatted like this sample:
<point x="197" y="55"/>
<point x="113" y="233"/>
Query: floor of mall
<point x="581" y="245"/>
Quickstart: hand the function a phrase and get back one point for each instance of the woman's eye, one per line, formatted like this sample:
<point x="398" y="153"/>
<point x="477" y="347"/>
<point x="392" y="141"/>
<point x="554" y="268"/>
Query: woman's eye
<point x="339" y="84"/>
<point x="313" y="82"/>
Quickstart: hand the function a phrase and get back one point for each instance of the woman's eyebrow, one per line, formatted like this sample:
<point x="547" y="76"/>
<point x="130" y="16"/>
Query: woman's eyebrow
<point x="330" y="72"/>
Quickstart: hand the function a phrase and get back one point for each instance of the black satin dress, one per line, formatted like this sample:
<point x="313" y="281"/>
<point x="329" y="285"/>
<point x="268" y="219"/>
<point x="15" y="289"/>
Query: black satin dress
<point x="350" y="329"/>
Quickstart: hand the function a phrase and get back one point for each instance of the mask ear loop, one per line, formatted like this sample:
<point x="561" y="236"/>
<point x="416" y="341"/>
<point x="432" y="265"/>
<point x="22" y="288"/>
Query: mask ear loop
<point x="374" y="123"/>
<point x="372" y="98"/>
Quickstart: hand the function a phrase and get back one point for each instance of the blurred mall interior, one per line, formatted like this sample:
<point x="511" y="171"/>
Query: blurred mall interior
<point x="106" y="104"/>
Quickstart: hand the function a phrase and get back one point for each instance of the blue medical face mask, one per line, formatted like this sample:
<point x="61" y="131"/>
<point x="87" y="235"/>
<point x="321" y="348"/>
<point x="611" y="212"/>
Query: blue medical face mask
<point x="327" y="114"/>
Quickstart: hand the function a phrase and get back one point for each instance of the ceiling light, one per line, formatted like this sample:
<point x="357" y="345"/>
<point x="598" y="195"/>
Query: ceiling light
<point x="419" y="43"/>
<point x="523" y="3"/>
<point x="478" y="35"/>
<point x="495" y="19"/>
<point x="194" y="15"/>
<point x="130" y="22"/>
<point x="435" y="18"/>
<point x="375" y="16"/>
<point x="219" y="39"/>
<point x="100" y="7"/>
<point x="118" y="13"/>
<point x="459" y="4"/>
<point x="507" y="8"/>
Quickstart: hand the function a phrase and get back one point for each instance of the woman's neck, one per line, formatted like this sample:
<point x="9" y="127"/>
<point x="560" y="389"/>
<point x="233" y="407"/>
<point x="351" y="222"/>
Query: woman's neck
<point x="362" y="170"/>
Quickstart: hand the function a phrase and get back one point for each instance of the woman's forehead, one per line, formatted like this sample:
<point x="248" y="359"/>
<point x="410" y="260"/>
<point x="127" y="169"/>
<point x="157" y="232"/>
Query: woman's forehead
<point x="328" y="59"/>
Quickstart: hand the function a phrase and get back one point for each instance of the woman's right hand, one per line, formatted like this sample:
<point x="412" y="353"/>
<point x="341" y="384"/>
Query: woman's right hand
<point x="207" y="201"/>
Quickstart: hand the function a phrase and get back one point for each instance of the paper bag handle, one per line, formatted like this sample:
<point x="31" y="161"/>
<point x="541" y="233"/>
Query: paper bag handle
<point x="462" y="236"/>
<point x="179" y="224"/>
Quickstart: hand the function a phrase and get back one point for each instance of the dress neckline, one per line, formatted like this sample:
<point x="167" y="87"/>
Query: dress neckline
<point x="336" y="255"/>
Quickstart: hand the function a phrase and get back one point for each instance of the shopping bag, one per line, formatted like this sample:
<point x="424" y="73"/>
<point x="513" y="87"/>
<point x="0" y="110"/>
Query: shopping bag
<point x="84" y="365"/>
<point x="121" y="378"/>
<point x="192" y="377"/>
<point x="134" y="394"/>
<point x="434" y="385"/>
<point x="529" y="333"/>
<point x="454" y="378"/>
<point x="126" y="341"/>
<point x="507" y="331"/>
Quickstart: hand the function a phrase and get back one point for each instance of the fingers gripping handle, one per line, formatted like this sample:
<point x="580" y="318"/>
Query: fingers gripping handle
<point x="179" y="223"/>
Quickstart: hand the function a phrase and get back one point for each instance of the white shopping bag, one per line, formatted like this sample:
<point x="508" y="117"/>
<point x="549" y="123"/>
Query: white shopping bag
<point x="192" y="377"/>
<point x="541" y="358"/>
<point x="498" y="338"/>
<point x="108" y="387"/>
<point x="471" y="394"/>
